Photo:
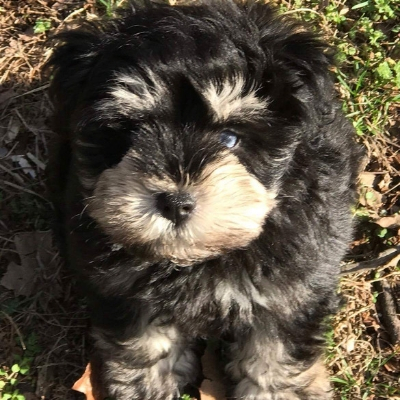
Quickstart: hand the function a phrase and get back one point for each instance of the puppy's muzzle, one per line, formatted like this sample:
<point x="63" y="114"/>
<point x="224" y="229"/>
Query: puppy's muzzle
<point x="175" y="207"/>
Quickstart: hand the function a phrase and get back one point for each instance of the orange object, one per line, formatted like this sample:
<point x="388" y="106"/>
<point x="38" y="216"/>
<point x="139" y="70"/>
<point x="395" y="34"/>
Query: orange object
<point x="212" y="388"/>
<point x="84" y="385"/>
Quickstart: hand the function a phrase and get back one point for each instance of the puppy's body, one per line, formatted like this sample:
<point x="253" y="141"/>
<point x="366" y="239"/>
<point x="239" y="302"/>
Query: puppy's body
<point x="203" y="182"/>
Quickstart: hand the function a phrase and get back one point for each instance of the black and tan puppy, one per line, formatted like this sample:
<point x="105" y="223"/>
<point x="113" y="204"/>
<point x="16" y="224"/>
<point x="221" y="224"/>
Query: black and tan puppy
<point x="203" y="183"/>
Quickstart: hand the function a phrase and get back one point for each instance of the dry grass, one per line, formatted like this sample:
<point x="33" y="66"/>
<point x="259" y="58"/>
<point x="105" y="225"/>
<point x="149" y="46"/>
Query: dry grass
<point x="47" y="327"/>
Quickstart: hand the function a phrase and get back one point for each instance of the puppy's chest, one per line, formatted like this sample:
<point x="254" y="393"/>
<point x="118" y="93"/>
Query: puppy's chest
<point x="212" y="306"/>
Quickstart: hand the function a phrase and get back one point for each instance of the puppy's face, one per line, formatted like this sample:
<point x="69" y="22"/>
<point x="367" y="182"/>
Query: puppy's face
<point x="184" y="122"/>
<point x="179" y="187"/>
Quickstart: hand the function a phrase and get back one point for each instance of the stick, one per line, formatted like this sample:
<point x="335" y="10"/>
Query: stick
<point x="387" y="308"/>
<point x="382" y="259"/>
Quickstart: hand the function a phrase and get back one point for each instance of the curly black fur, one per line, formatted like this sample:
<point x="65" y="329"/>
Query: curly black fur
<point x="133" y="102"/>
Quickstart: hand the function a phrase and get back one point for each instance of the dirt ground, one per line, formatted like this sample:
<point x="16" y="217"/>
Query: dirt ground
<point x="43" y="321"/>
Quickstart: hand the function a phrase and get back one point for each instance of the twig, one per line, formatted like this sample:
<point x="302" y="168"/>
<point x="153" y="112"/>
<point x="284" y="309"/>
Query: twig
<point x="39" y="89"/>
<point x="73" y="14"/>
<point x="14" y="175"/>
<point x="388" y="310"/>
<point x="27" y="126"/>
<point x="12" y="149"/>
<point x="394" y="187"/>
<point x="382" y="259"/>
<point x="14" y="325"/>
<point x="35" y="160"/>
<point x="13" y="185"/>
<point x="297" y="10"/>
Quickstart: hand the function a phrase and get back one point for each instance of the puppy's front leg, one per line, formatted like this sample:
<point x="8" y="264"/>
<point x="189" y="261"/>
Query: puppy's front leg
<point x="263" y="370"/>
<point x="154" y="365"/>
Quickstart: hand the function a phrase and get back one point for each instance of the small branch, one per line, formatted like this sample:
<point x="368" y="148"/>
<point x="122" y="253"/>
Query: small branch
<point x="13" y="185"/>
<point x="382" y="259"/>
<point x="14" y="325"/>
<point x="39" y="89"/>
<point x="388" y="311"/>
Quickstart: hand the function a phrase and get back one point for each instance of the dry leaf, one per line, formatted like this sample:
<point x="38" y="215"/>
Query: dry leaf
<point x="350" y="344"/>
<point x="19" y="278"/>
<point x="212" y="388"/>
<point x="33" y="247"/>
<point x="24" y="164"/>
<point x="384" y="183"/>
<point x="35" y="251"/>
<point x="13" y="128"/>
<point x="369" y="321"/>
<point x="84" y="385"/>
<point x="391" y="222"/>
<point x="367" y="179"/>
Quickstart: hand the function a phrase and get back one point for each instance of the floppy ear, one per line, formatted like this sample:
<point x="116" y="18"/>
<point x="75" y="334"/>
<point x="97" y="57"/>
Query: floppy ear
<point x="75" y="55"/>
<point x="296" y="76"/>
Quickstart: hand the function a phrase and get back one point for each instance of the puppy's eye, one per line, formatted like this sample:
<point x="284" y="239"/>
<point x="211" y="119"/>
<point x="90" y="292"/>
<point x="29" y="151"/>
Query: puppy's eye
<point x="228" y="139"/>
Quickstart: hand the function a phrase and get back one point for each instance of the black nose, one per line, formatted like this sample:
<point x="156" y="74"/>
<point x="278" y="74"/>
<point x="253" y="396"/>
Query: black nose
<point x="175" y="206"/>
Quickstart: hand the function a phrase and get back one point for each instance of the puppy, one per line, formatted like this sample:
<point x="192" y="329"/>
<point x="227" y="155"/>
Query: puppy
<point x="203" y="178"/>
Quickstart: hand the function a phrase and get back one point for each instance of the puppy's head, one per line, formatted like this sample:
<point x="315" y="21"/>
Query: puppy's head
<point x="183" y="120"/>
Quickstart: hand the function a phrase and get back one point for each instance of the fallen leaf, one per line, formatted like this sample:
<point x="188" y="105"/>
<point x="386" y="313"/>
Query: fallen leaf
<point x="26" y="244"/>
<point x="19" y="278"/>
<point x="392" y="222"/>
<point x="24" y="164"/>
<point x="209" y="390"/>
<point x="84" y="385"/>
<point x="35" y="251"/>
<point x="35" y="247"/>
<point x="385" y="183"/>
<point x="13" y="128"/>
<point x="350" y="344"/>
<point x="212" y="387"/>
<point x="369" y="321"/>
<point x="367" y="179"/>
<point x="28" y="35"/>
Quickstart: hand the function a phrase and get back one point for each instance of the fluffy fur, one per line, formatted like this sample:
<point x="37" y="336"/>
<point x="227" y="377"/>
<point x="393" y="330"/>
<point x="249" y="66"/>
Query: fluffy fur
<point x="231" y="108"/>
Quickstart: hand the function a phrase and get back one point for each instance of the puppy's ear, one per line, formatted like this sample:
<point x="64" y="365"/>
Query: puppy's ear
<point x="74" y="57"/>
<point x="296" y="75"/>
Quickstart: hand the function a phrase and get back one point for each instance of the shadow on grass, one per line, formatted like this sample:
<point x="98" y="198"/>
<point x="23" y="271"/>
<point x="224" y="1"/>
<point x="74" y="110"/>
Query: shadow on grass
<point x="43" y="321"/>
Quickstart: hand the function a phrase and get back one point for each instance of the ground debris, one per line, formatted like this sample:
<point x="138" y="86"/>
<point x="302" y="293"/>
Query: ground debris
<point x="388" y="310"/>
<point x="19" y="278"/>
<point x="37" y="260"/>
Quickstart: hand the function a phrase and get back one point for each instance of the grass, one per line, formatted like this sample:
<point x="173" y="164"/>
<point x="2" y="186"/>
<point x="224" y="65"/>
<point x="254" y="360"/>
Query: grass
<point x="366" y="36"/>
<point x="111" y="5"/>
<point x="42" y="336"/>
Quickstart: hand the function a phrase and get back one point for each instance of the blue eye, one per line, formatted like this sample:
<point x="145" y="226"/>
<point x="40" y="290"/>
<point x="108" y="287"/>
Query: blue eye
<point x="228" y="139"/>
